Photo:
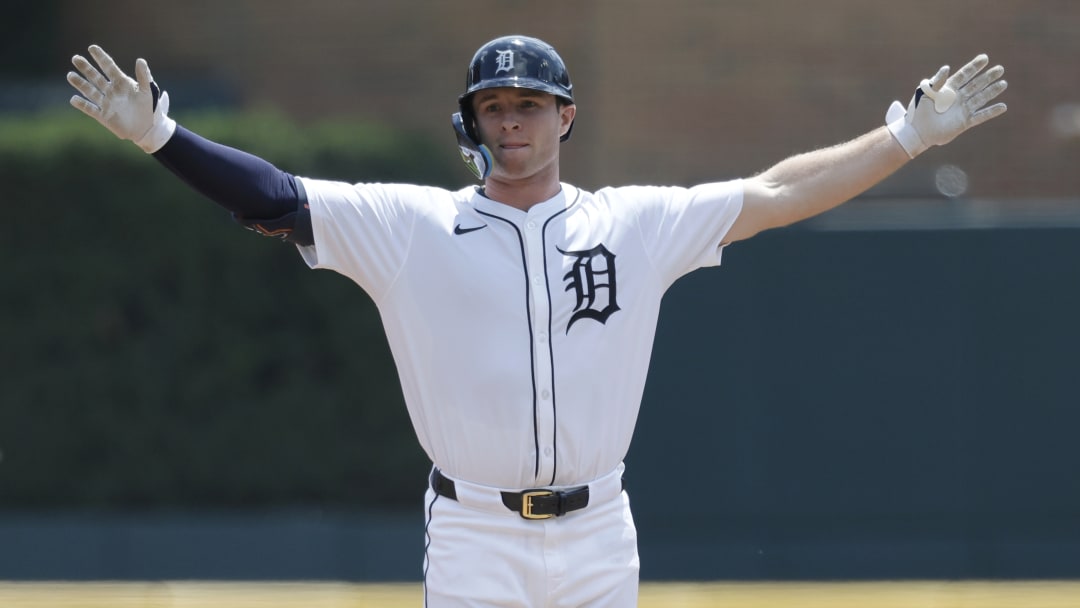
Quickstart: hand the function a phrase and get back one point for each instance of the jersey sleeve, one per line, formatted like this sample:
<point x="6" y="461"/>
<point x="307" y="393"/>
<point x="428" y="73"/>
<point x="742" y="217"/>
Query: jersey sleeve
<point x="684" y="228"/>
<point x="362" y="231"/>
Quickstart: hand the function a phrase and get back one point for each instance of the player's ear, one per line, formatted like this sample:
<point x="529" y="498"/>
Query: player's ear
<point x="567" y="112"/>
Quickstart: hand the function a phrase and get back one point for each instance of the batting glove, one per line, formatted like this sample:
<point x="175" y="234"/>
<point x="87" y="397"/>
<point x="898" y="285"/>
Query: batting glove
<point x="945" y="106"/>
<point x="133" y="109"/>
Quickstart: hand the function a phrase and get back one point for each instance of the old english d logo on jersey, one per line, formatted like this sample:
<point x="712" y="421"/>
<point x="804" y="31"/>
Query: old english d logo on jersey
<point x="592" y="279"/>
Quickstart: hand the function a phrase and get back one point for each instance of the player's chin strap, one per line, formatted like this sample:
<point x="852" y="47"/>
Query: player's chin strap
<point x="477" y="156"/>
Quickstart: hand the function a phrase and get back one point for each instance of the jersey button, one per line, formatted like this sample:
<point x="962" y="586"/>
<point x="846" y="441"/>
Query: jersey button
<point x="541" y="337"/>
<point x="547" y="451"/>
<point x="545" y="394"/>
<point x="531" y="225"/>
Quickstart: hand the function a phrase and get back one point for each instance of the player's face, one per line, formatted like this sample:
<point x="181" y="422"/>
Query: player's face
<point x="522" y="128"/>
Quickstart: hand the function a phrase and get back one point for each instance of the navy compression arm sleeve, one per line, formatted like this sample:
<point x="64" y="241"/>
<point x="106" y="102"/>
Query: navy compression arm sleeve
<point x="259" y="195"/>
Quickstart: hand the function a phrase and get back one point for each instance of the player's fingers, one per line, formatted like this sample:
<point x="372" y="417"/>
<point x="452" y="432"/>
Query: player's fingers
<point x="86" y="89"/>
<point x="986" y="114"/>
<point x="108" y="66"/>
<point x="938" y="79"/>
<point x="986" y="95"/>
<point x="966" y="73"/>
<point x="983" y="80"/>
<point x="91" y="110"/>
<point x="142" y="74"/>
<point x="89" y="72"/>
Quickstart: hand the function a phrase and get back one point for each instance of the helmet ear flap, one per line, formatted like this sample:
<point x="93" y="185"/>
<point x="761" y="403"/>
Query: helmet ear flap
<point x="468" y="119"/>
<point x="475" y="155"/>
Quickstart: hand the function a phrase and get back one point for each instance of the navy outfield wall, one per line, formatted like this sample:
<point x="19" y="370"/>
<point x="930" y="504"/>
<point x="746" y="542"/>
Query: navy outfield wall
<point x="867" y="404"/>
<point x="827" y="404"/>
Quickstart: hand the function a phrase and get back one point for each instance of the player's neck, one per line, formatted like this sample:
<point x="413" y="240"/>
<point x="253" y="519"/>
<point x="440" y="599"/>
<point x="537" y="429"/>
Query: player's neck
<point x="521" y="194"/>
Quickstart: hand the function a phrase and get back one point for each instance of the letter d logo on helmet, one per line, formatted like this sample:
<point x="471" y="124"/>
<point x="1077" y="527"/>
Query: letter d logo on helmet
<point x="509" y="61"/>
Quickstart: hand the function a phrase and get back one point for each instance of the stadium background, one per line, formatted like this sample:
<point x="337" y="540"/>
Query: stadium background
<point x="885" y="392"/>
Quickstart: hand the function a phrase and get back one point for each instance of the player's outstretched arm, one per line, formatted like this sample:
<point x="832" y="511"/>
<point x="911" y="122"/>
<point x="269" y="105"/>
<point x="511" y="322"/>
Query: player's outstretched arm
<point x="805" y="185"/>
<point x="260" y="196"/>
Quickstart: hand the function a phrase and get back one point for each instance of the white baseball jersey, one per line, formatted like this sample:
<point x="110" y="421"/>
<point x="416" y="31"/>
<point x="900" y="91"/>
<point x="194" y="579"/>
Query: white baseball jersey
<point x="522" y="339"/>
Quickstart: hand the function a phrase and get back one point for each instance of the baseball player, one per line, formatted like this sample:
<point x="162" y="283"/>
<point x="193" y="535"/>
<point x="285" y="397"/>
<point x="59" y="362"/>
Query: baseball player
<point x="521" y="311"/>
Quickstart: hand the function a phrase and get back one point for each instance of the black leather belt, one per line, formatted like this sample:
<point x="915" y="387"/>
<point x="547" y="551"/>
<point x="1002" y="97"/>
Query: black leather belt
<point x="530" y="504"/>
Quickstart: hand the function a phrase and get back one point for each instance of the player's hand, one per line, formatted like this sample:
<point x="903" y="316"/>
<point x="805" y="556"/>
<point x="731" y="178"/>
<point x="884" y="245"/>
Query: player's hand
<point x="945" y="106"/>
<point x="133" y="109"/>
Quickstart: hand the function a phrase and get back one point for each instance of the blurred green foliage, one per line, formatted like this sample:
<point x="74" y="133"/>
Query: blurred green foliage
<point x="155" y="354"/>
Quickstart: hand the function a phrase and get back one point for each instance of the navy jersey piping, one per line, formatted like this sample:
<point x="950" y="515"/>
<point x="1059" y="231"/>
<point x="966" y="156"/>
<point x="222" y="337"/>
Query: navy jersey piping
<point x="532" y="339"/>
<point x="551" y="348"/>
<point x="427" y="545"/>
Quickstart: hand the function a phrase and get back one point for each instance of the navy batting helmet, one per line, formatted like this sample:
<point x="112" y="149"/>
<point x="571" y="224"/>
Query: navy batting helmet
<point x="518" y="61"/>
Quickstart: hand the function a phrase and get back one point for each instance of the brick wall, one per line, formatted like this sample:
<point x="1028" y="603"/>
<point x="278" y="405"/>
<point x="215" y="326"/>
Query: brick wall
<point x="668" y="92"/>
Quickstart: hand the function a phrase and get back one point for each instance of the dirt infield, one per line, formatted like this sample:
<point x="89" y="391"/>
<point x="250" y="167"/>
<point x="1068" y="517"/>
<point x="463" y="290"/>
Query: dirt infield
<point x="184" y="594"/>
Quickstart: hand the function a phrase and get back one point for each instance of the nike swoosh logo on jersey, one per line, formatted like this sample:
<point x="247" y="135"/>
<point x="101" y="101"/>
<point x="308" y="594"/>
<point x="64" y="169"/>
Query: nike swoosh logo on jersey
<point x="459" y="230"/>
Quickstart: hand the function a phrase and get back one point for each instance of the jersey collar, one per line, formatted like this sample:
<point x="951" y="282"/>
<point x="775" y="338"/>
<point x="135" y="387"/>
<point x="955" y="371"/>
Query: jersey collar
<point x="566" y="196"/>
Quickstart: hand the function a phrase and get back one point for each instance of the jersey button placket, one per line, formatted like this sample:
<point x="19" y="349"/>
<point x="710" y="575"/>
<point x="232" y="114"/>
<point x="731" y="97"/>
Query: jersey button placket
<point x="545" y="413"/>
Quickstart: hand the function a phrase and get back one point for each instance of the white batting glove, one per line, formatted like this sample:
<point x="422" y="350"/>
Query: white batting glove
<point x="133" y="109"/>
<point x="945" y="106"/>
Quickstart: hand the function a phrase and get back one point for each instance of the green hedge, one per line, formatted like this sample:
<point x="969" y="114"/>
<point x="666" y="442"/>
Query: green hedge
<point x="156" y="354"/>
